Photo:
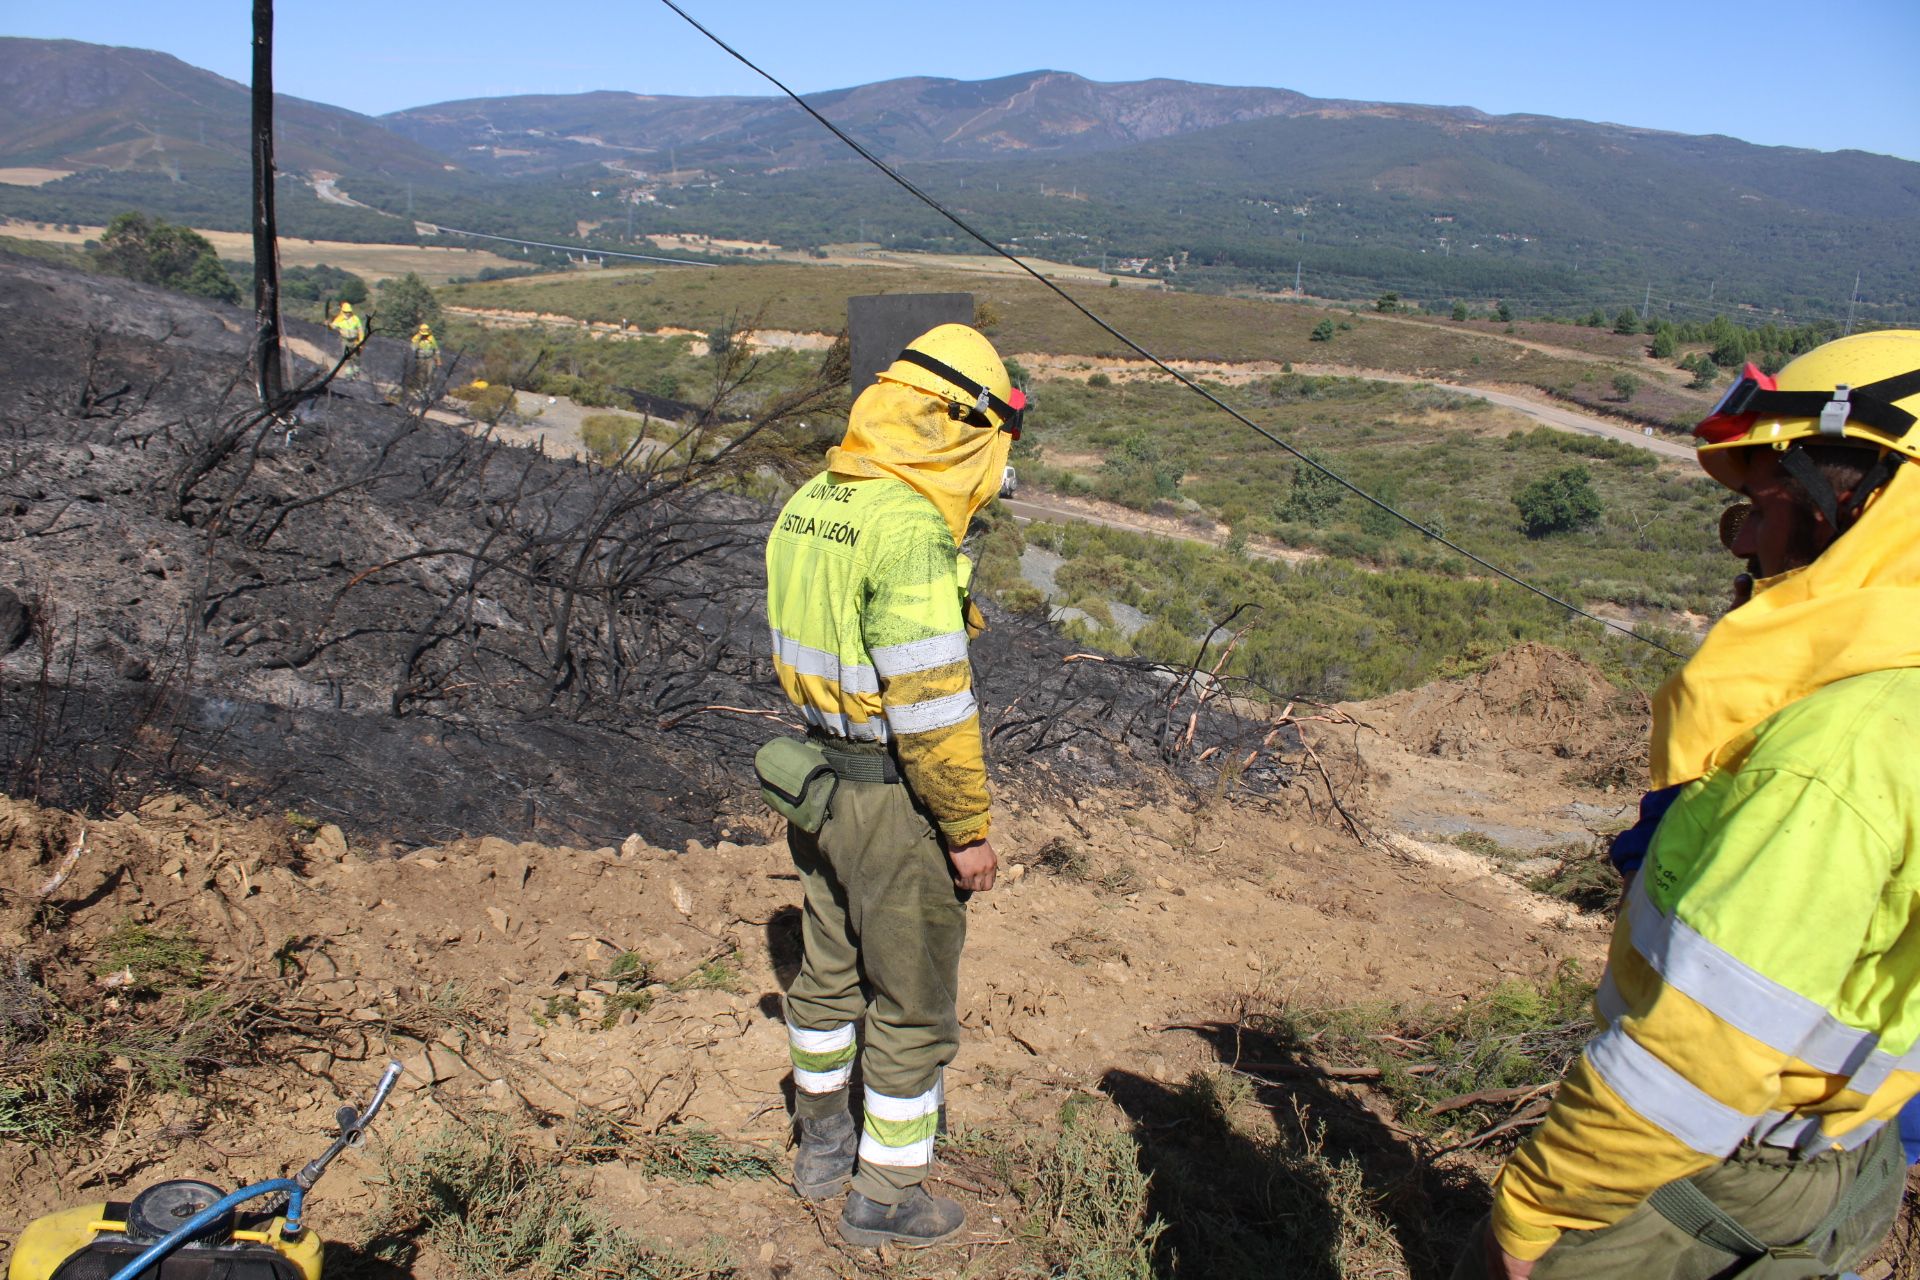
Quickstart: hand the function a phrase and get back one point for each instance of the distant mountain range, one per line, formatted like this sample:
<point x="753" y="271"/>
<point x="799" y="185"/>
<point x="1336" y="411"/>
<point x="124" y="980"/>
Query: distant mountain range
<point x="1042" y="113"/>
<point x="74" y="106"/>
<point x="1211" y="185"/>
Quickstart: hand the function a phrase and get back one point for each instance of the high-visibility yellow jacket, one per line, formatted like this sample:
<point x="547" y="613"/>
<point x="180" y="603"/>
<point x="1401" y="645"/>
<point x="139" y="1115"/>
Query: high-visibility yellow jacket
<point x="1764" y="978"/>
<point x="425" y="346"/>
<point x="351" y="328"/>
<point x="864" y="598"/>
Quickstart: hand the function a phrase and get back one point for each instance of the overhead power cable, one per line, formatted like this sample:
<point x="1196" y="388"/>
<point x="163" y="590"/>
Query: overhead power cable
<point x="1147" y="355"/>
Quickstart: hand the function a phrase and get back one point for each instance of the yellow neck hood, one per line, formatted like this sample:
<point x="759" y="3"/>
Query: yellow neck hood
<point x="1854" y="610"/>
<point x="897" y="431"/>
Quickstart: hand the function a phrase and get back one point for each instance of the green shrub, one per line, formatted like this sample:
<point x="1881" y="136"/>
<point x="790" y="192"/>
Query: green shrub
<point x="154" y="958"/>
<point x="1313" y="499"/>
<point x="609" y="436"/>
<point x="402" y="304"/>
<point x="154" y="251"/>
<point x="1087" y="1202"/>
<point x="488" y="404"/>
<point x="1518" y="1035"/>
<point x="1558" y="503"/>
<point x="494" y="1207"/>
<point x="1139" y="472"/>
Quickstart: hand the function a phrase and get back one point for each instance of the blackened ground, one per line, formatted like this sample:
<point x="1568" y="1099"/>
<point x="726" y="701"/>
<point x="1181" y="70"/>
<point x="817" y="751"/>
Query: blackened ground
<point x="409" y="628"/>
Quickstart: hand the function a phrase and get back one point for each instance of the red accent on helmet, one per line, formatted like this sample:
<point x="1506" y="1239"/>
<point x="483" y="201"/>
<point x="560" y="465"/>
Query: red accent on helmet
<point x="1016" y="399"/>
<point x="1726" y="421"/>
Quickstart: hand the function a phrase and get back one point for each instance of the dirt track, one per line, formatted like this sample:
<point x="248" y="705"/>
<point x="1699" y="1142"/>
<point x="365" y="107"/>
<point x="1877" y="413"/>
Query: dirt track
<point x="1045" y="505"/>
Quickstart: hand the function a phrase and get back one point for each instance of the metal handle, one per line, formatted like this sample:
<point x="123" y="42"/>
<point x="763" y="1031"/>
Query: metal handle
<point x="353" y="1127"/>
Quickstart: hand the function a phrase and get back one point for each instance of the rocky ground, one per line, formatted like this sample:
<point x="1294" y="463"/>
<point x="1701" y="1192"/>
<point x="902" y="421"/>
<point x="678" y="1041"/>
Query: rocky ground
<point x="491" y="969"/>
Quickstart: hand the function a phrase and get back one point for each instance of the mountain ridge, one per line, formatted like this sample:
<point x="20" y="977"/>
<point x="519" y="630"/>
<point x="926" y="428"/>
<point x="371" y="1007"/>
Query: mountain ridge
<point x="1221" y="186"/>
<point x="69" y="103"/>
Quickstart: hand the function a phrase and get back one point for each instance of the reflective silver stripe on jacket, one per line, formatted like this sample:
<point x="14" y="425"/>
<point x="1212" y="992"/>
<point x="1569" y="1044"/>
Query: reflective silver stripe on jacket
<point x="1803" y="1133"/>
<point x="920" y="655"/>
<point x="935" y="713"/>
<point x="1732" y="990"/>
<point x="809" y="661"/>
<point x="841" y="725"/>
<point x="1664" y="1097"/>
<point x="1743" y="997"/>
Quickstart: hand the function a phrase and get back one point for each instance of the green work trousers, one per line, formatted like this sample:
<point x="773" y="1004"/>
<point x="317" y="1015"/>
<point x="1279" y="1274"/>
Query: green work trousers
<point x="1774" y="1194"/>
<point x="883" y="928"/>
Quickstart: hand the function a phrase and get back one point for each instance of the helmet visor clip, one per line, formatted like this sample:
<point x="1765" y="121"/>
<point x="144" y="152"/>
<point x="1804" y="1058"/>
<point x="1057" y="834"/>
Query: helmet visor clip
<point x="1833" y="416"/>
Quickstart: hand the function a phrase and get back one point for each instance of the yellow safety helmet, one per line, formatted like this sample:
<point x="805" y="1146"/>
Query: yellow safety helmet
<point x="425" y="328"/>
<point x="346" y="308"/>
<point x="957" y="364"/>
<point x="1860" y="392"/>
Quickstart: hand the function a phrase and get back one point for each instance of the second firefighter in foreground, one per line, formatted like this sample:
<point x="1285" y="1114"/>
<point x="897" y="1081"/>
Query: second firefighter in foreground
<point x="866" y="598"/>
<point x="1760" y="1013"/>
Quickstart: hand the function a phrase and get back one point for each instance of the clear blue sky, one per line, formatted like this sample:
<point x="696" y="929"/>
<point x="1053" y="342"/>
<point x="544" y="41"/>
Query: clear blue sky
<point x="1831" y="75"/>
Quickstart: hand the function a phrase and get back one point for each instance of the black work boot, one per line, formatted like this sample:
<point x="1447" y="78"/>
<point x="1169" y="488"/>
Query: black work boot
<point x="915" y="1222"/>
<point x="823" y="1164"/>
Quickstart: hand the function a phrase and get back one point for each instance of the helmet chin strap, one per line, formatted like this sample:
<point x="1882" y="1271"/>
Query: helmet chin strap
<point x="1819" y="490"/>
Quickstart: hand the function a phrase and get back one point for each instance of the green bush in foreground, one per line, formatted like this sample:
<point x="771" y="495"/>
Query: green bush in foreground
<point x="1520" y="1035"/>
<point x="1087" y="1203"/>
<point x="492" y="1207"/>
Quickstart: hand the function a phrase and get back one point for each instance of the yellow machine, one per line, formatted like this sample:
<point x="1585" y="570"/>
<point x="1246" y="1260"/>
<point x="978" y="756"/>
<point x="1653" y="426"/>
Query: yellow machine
<point x="189" y="1230"/>
<point x="93" y="1241"/>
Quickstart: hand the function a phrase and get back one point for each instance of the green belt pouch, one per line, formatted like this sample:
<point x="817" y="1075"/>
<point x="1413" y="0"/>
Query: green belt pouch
<point x="796" y="781"/>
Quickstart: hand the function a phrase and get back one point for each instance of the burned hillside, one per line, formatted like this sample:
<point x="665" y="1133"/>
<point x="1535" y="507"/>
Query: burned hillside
<point x="386" y="618"/>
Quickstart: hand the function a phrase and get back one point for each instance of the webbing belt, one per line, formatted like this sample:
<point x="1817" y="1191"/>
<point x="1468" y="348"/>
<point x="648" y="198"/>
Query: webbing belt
<point x="1687" y="1207"/>
<point x="860" y="766"/>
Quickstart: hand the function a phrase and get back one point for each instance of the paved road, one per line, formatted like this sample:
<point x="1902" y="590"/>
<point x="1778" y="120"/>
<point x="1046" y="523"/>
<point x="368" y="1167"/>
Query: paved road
<point x="1564" y="419"/>
<point x="1026" y="512"/>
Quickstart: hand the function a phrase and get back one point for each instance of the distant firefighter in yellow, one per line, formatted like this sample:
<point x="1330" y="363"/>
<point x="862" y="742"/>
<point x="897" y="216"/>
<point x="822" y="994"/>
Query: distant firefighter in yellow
<point x="353" y="333"/>
<point x="887" y="798"/>
<point x="426" y="353"/>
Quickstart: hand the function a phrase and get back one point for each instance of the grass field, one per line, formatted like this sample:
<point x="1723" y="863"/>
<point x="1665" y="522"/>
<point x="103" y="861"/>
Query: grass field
<point x="1386" y="608"/>
<point x="372" y="262"/>
<point x="1177" y="325"/>
<point x="1450" y="461"/>
<point x="1186" y="326"/>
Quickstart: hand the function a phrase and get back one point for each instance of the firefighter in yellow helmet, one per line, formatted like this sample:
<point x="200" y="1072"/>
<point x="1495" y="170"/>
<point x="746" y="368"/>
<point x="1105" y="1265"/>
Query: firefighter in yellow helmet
<point x="353" y="333"/>
<point x="1737" y="1113"/>
<point x="866" y="597"/>
<point x="426" y="352"/>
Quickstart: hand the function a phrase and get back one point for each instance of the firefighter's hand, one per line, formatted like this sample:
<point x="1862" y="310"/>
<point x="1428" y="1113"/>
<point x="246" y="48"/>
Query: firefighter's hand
<point x="1502" y="1265"/>
<point x="973" y="866"/>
